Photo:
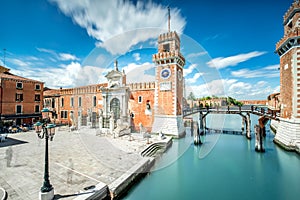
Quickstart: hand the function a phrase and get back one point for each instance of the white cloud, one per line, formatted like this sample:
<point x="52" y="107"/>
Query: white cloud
<point x="272" y="67"/>
<point x="194" y="79"/>
<point x="234" y="88"/>
<point x="268" y="72"/>
<point x="106" y="19"/>
<point x="46" y="51"/>
<point x="193" y="55"/>
<point x="19" y="62"/>
<point x="70" y="75"/>
<point x="67" y="56"/>
<point x="187" y="71"/>
<point x="58" y="56"/>
<point x="136" y="56"/>
<point x="136" y="73"/>
<point x="222" y="62"/>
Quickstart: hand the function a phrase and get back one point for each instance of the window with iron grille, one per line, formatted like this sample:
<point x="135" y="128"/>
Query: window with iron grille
<point x="19" y="97"/>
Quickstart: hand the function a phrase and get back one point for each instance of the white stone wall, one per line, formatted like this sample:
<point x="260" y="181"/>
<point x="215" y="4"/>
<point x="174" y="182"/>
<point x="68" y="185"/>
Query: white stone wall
<point x="169" y="125"/>
<point x="288" y="133"/>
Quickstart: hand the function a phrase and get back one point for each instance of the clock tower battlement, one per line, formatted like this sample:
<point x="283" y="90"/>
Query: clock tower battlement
<point x="168" y="50"/>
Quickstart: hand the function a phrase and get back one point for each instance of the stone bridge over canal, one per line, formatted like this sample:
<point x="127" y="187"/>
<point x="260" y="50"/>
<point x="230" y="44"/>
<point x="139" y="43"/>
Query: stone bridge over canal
<point x="244" y="111"/>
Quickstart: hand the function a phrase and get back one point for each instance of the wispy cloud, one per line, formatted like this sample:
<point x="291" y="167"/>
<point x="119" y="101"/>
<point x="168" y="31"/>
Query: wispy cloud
<point x="105" y="19"/>
<point x="193" y="55"/>
<point x="268" y="72"/>
<point x="190" y="69"/>
<point x="272" y="67"/>
<point x="19" y="62"/>
<point x="58" y="56"/>
<point x="67" y="56"/>
<point x="214" y="37"/>
<point x="222" y="62"/>
<point x="194" y="79"/>
<point x="46" y="51"/>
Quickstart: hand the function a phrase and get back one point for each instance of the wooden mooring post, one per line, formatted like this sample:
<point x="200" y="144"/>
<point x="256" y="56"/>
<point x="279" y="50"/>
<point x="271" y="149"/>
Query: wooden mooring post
<point x="248" y="126"/>
<point x="202" y="123"/>
<point x="196" y="133"/>
<point x="259" y="138"/>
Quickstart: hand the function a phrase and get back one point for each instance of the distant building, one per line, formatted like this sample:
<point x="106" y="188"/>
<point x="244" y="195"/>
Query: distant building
<point x="274" y="102"/>
<point x="213" y="102"/>
<point x="151" y="106"/>
<point x="288" y="48"/>
<point x="20" y="98"/>
<point x="254" y="102"/>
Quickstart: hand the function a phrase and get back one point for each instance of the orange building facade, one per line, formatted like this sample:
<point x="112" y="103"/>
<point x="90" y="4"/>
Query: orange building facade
<point x="21" y="99"/>
<point x="116" y="105"/>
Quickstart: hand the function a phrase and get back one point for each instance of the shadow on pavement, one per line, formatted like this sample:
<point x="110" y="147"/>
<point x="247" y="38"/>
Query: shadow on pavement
<point x="11" y="142"/>
<point x="58" y="196"/>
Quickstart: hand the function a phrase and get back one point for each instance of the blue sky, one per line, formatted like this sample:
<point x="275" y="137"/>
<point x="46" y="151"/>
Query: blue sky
<point x="229" y="45"/>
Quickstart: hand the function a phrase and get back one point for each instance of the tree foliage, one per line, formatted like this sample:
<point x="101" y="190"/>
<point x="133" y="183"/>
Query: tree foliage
<point x="232" y="101"/>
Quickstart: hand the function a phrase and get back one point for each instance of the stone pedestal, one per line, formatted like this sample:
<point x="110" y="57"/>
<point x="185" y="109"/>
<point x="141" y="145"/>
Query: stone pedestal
<point x="169" y="125"/>
<point x="288" y="134"/>
<point x="46" y="195"/>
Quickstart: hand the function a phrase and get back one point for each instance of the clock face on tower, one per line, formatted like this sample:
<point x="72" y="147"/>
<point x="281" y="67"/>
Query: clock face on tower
<point x="165" y="73"/>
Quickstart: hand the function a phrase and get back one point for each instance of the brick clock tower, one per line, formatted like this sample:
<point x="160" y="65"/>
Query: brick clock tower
<point x="169" y="88"/>
<point x="288" y="48"/>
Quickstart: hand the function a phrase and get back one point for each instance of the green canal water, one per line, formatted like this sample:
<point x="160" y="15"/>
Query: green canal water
<point x="223" y="167"/>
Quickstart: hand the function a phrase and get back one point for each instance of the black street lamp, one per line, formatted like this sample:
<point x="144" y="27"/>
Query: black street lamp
<point x="48" y="130"/>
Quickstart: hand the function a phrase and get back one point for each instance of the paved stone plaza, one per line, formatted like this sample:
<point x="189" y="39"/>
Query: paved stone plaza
<point x="78" y="159"/>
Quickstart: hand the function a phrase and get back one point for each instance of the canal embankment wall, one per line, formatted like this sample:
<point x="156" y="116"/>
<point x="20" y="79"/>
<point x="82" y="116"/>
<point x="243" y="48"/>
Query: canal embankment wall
<point x="130" y="177"/>
<point x="117" y="189"/>
<point x="287" y="134"/>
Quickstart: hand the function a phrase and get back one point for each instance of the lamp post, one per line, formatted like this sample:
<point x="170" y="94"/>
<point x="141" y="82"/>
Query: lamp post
<point x="46" y="130"/>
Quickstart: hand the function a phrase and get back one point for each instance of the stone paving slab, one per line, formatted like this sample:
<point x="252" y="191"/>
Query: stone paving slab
<point x="77" y="160"/>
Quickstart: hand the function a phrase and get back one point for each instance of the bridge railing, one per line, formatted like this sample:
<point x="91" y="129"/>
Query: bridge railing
<point x="258" y="110"/>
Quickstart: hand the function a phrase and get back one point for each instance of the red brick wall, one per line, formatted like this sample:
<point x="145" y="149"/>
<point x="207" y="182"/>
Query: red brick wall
<point x="165" y="98"/>
<point x="138" y="109"/>
<point x="286" y="84"/>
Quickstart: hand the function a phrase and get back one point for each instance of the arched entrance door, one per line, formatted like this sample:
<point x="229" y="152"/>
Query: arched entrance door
<point x="115" y="108"/>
